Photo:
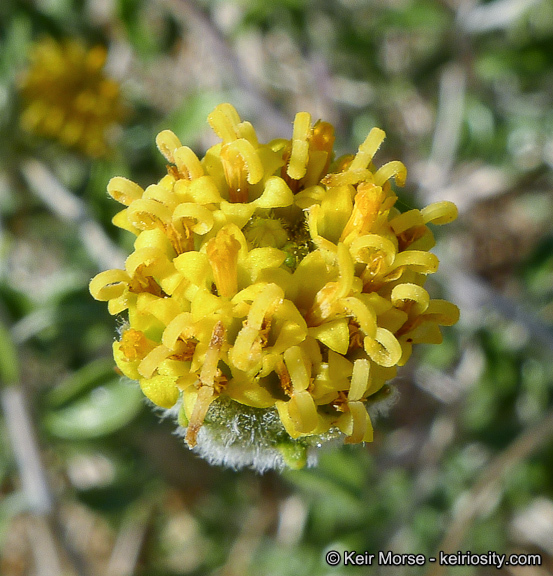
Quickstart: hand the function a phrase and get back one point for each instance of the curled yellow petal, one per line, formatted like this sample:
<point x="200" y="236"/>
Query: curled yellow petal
<point x="236" y="213"/>
<point x="109" y="284"/>
<point x="395" y="319"/>
<point x="205" y="397"/>
<point x="123" y="190"/>
<point x="440" y="213"/>
<point x="276" y="194"/>
<point x="203" y="304"/>
<point x="239" y="152"/>
<point x="265" y="304"/>
<point x="167" y="142"/>
<point x="394" y="169"/>
<point x="222" y="252"/>
<point x="248" y="347"/>
<point x="164" y="309"/>
<point x="121" y="220"/>
<point x="224" y="121"/>
<point x="195" y="267"/>
<point x="361" y="428"/>
<point x="160" y="194"/>
<point x="309" y="196"/>
<point x="161" y="390"/>
<point x="314" y="214"/>
<point x="348" y="177"/>
<point x="247" y="391"/>
<point x="209" y="367"/>
<point x="375" y="250"/>
<point x="384" y="349"/>
<point x="153" y="238"/>
<point x="145" y="258"/>
<point x="442" y="312"/>
<point x="188" y="163"/>
<point x="149" y="364"/>
<point x="246" y="130"/>
<point x="290" y="326"/>
<point x="297" y="368"/>
<point x="202" y="190"/>
<point x="359" y="380"/>
<point x="418" y="261"/>
<point x="303" y="412"/>
<point x="335" y="212"/>
<point x="363" y="313"/>
<point x="179" y="325"/>
<point x="299" y="155"/>
<point x="145" y="214"/>
<point x="410" y="293"/>
<point x="368" y="149"/>
<point x="201" y="218"/>
<point x="368" y="202"/>
<point x="407" y="220"/>
<point x="118" y="305"/>
<point x="334" y="334"/>
<point x="247" y="353"/>
<point x="425" y="332"/>
<point x="248" y="294"/>
<point x="339" y="368"/>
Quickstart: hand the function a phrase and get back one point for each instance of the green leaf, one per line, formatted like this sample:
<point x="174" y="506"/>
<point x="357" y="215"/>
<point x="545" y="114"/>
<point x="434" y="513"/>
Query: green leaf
<point x="102" y="411"/>
<point x="9" y="363"/>
<point x="81" y="381"/>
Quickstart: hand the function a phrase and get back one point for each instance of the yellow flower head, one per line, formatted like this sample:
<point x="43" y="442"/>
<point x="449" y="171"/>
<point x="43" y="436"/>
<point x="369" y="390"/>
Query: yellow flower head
<point x="273" y="291"/>
<point x="67" y="97"/>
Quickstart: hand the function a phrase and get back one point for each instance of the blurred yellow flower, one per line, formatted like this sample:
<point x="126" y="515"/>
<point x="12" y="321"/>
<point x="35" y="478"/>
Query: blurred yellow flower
<point x="273" y="291"/>
<point x="67" y="96"/>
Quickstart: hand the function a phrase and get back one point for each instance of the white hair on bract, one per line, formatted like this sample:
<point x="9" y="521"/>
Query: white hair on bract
<point x="238" y="436"/>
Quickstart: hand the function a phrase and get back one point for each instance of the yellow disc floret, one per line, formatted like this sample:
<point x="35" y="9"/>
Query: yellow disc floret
<point x="269" y="284"/>
<point x="68" y="97"/>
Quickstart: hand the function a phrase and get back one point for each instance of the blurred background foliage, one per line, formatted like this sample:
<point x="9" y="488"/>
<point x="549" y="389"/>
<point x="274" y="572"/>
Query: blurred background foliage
<point x="463" y="461"/>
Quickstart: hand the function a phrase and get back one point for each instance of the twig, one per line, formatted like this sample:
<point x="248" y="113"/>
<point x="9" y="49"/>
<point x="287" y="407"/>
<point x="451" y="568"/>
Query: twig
<point x="474" y="295"/>
<point x="44" y="527"/>
<point x="44" y="524"/>
<point x="43" y="546"/>
<point x="71" y="209"/>
<point x="488" y="482"/>
<point x="240" y="556"/>
<point x="193" y="18"/>
<point x="447" y="130"/>
<point x="25" y="449"/>
<point x="471" y="293"/>
<point x="492" y="15"/>
<point x="130" y="540"/>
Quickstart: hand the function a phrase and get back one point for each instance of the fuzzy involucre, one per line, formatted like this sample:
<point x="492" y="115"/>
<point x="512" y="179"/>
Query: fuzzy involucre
<point x="273" y="291"/>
